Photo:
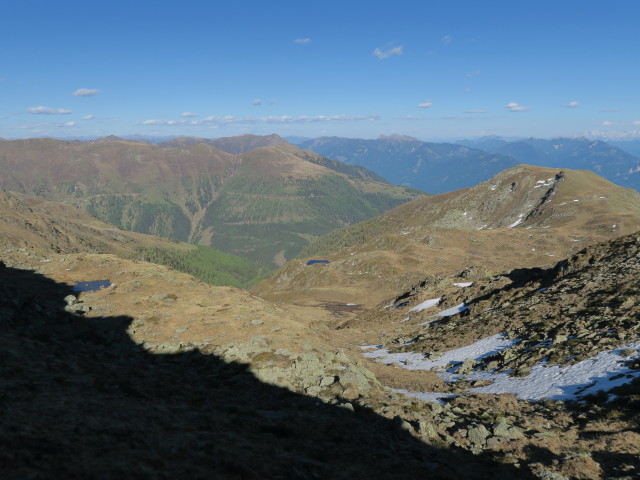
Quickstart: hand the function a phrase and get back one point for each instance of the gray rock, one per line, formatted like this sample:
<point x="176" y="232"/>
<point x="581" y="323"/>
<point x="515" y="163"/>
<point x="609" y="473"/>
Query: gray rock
<point x="70" y="300"/>
<point x="478" y="434"/>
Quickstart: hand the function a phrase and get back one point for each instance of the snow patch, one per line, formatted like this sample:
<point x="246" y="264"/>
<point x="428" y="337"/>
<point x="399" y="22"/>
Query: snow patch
<point x="452" y="311"/>
<point x="417" y="361"/>
<point x="602" y="372"/>
<point x="432" y="302"/>
<point x="432" y="397"/>
<point x="463" y="284"/>
<point x="518" y="221"/>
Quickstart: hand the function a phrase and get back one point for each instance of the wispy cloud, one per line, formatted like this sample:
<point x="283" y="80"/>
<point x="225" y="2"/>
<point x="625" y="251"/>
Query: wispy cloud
<point x="48" y="111"/>
<point x="49" y="125"/>
<point x="285" y="119"/>
<point x="447" y="39"/>
<point x="607" y="123"/>
<point x="573" y="104"/>
<point x="189" y="115"/>
<point x="3" y="117"/>
<point x="514" y="107"/>
<point x="425" y="104"/>
<point x="475" y="111"/>
<point x="302" y="41"/>
<point x="637" y="122"/>
<point x="88" y="117"/>
<point x="473" y="74"/>
<point x="86" y="92"/>
<point x="612" y="110"/>
<point x="387" y="52"/>
<point x="257" y="102"/>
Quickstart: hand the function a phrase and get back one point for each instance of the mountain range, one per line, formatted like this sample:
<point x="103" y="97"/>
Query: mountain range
<point x="600" y="157"/>
<point x="264" y="204"/>
<point x="443" y="167"/>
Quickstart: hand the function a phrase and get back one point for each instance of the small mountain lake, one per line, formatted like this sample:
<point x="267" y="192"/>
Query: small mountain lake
<point x="313" y="262"/>
<point x="91" y="285"/>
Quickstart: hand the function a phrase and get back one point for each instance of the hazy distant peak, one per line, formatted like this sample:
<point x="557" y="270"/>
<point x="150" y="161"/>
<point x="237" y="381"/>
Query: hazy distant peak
<point x="398" y="138"/>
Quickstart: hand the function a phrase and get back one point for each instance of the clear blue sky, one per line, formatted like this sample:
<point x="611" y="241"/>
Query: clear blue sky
<point x="432" y="69"/>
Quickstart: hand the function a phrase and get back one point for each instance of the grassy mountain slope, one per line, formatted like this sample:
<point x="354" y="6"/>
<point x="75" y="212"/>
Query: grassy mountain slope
<point x="264" y="204"/>
<point x="27" y="221"/>
<point x="525" y="216"/>
<point x="233" y="145"/>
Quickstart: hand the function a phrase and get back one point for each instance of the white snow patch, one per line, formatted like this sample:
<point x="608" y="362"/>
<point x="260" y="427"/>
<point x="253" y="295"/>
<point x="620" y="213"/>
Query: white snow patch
<point x="576" y="200"/>
<point x="518" y="221"/>
<point x="570" y="382"/>
<point x="369" y="347"/>
<point x="482" y="227"/>
<point x="351" y="304"/>
<point x="404" y="320"/>
<point x="432" y="397"/>
<point x="432" y="302"/>
<point x="417" y="361"/>
<point x="463" y="284"/>
<point x="493" y="187"/>
<point x="452" y="311"/>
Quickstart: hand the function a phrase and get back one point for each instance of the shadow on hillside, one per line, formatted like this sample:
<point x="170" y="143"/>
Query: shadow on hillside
<point x="79" y="399"/>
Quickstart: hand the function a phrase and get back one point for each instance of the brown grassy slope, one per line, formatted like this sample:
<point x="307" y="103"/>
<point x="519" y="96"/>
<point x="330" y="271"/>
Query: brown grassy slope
<point x="30" y="221"/>
<point x="465" y="229"/>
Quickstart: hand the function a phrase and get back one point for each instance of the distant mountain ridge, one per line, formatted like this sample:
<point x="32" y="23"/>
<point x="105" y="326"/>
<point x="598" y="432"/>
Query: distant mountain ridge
<point x="234" y="145"/>
<point x="600" y="157"/>
<point x="432" y="167"/>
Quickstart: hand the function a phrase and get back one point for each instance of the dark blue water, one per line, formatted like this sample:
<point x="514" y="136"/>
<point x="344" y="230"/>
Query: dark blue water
<point x="91" y="286"/>
<point x="311" y="262"/>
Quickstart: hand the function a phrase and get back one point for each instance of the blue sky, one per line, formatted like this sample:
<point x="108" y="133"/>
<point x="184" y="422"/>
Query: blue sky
<point x="431" y="69"/>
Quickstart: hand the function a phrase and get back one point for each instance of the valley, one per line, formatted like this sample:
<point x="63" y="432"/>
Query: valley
<point x="486" y="332"/>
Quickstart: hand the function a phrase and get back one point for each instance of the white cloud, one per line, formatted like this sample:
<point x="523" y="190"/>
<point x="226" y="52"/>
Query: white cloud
<point x="426" y="104"/>
<point x="256" y="102"/>
<point x="48" y="125"/>
<point x="85" y="92"/>
<point x="3" y="117"/>
<point x="88" y="117"/>
<point x="47" y="111"/>
<point x="189" y="114"/>
<point x="475" y="111"/>
<point x="607" y="123"/>
<point x="514" y="107"/>
<point x="637" y="122"/>
<point x="473" y="74"/>
<point x="284" y="119"/>
<point x="447" y="39"/>
<point x="302" y="40"/>
<point x="388" y="52"/>
<point x="612" y="110"/>
<point x="573" y="104"/>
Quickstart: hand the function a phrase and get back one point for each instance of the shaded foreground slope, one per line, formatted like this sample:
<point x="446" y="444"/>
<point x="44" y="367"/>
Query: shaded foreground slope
<point x="81" y="399"/>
